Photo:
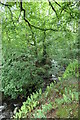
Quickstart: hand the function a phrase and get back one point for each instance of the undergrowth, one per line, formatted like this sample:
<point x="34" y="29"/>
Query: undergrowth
<point x="61" y="98"/>
<point x="39" y="104"/>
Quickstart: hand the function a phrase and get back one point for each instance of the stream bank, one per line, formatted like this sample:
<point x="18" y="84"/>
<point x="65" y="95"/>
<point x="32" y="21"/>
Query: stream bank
<point x="10" y="107"/>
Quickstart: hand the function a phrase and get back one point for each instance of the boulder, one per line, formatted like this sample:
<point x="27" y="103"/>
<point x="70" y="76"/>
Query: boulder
<point x="15" y="110"/>
<point x="2" y="108"/>
<point x="2" y="117"/>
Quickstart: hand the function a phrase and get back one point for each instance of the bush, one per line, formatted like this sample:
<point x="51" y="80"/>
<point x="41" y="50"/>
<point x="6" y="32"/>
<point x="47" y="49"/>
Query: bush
<point x="72" y="70"/>
<point x="29" y="105"/>
<point x="19" y="76"/>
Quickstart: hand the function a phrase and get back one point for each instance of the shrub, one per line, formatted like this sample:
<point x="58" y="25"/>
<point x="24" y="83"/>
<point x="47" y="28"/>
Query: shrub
<point x="19" y="76"/>
<point x="29" y="105"/>
<point x="72" y="70"/>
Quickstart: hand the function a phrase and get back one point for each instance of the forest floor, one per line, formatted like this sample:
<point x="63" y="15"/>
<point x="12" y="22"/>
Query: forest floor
<point x="63" y="105"/>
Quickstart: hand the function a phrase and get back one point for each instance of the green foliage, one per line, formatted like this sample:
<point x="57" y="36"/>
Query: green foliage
<point x="67" y="111"/>
<point x="45" y="37"/>
<point x="68" y="97"/>
<point x="19" y="78"/>
<point x="55" y="68"/>
<point x="31" y="103"/>
<point x="39" y="40"/>
<point x="49" y="90"/>
<point x="36" y="108"/>
<point x="41" y="113"/>
<point x="72" y="70"/>
<point x="62" y="112"/>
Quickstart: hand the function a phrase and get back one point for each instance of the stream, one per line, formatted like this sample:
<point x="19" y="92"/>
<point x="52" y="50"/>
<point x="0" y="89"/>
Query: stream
<point x="9" y="107"/>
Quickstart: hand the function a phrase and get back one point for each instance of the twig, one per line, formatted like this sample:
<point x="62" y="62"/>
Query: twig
<point x="31" y="25"/>
<point x="8" y="6"/>
<point x="53" y="8"/>
<point x="57" y="3"/>
<point x="5" y="4"/>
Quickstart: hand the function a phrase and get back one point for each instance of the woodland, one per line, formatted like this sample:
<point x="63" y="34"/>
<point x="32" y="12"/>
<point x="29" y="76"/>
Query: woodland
<point x="40" y="58"/>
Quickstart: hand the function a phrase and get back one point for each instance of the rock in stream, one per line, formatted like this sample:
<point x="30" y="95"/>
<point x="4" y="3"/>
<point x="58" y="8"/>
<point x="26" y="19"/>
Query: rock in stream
<point x="7" y="111"/>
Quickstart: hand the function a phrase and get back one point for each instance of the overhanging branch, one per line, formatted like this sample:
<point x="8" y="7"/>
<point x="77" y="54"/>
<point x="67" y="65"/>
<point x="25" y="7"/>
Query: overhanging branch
<point x="53" y="8"/>
<point x="5" y="4"/>
<point x="8" y="6"/>
<point x="22" y="9"/>
<point x="44" y="29"/>
<point x="31" y="25"/>
<point x="57" y="3"/>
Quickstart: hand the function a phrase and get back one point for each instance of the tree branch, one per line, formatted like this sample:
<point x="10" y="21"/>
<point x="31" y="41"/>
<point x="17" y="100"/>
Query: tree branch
<point x="31" y="25"/>
<point x="57" y="3"/>
<point x="53" y="8"/>
<point x="22" y="9"/>
<point x="44" y="29"/>
<point x="8" y="6"/>
<point x="64" y="8"/>
<point x="5" y="4"/>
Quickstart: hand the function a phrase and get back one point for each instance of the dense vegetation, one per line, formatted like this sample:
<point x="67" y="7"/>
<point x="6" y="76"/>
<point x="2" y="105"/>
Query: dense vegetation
<point x="41" y="40"/>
